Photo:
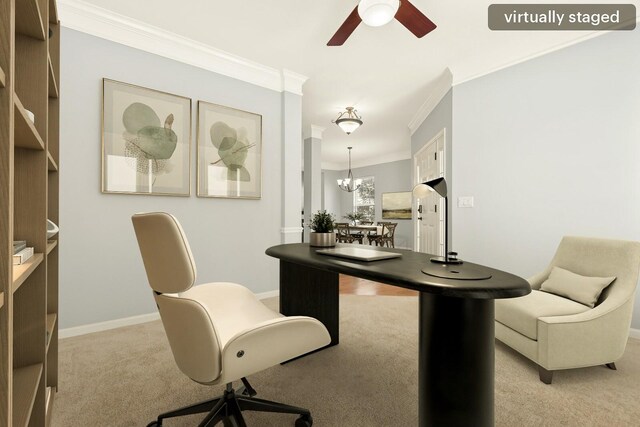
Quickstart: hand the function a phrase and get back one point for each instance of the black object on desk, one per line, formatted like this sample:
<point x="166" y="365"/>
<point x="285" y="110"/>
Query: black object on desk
<point x="456" y="336"/>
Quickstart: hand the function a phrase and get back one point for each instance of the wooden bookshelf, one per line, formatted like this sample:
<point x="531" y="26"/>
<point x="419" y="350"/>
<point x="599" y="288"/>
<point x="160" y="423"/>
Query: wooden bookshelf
<point x="29" y="195"/>
<point x="49" y="405"/>
<point x="51" y="164"/>
<point x="26" y="134"/>
<point x="50" y="245"/>
<point x="29" y="19"/>
<point x="51" y="323"/>
<point x="53" y="12"/>
<point x="23" y="271"/>
<point x="25" y="386"/>
<point x="53" y="85"/>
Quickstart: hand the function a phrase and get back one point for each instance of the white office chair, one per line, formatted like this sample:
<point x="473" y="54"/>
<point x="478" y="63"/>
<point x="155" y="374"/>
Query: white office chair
<point x="218" y="332"/>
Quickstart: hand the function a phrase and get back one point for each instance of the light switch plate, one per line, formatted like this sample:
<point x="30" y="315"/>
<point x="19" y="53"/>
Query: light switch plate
<point x="465" y="202"/>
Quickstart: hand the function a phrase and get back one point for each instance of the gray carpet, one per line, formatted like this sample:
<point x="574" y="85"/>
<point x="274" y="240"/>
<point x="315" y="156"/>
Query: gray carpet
<point x="125" y="377"/>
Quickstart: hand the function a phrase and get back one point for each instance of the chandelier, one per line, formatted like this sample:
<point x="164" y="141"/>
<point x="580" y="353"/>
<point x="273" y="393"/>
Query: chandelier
<point x="348" y="120"/>
<point x="349" y="184"/>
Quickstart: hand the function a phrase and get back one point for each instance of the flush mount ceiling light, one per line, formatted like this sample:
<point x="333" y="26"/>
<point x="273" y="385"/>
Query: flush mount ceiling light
<point x="348" y="120"/>
<point x="376" y="13"/>
<point x="348" y="184"/>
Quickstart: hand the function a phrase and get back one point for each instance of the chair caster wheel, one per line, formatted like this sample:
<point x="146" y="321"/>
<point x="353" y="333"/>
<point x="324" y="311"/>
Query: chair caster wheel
<point x="304" y="421"/>
<point x="154" y="424"/>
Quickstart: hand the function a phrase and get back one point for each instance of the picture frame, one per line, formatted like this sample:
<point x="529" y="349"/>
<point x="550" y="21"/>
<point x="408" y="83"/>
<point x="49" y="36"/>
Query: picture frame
<point x="146" y="141"/>
<point x="229" y="159"/>
<point x="397" y="205"/>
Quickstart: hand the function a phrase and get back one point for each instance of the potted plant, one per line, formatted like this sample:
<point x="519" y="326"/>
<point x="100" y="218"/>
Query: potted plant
<point x="322" y="226"/>
<point x="354" y="217"/>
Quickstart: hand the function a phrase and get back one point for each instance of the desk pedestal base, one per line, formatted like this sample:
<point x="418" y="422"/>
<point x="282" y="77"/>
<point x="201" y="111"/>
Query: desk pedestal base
<point x="456" y="362"/>
<point x="306" y="291"/>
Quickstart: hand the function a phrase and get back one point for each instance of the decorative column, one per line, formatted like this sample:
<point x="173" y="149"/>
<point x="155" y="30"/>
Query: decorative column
<point x="291" y="230"/>
<point x="312" y="174"/>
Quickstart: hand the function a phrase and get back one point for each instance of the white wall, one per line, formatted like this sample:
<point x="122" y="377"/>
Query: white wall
<point x="101" y="273"/>
<point x="548" y="148"/>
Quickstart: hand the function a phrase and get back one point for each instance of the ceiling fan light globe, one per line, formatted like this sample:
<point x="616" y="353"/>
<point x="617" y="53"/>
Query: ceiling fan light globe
<point x="376" y="13"/>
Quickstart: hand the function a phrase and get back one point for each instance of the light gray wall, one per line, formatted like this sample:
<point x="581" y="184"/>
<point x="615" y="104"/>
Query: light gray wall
<point x="548" y="148"/>
<point x="389" y="177"/>
<point x="101" y="273"/>
<point x="331" y="197"/>
<point x="440" y="118"/>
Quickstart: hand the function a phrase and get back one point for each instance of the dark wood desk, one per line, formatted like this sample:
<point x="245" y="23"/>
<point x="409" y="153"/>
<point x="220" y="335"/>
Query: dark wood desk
<point x="456" y="337"/>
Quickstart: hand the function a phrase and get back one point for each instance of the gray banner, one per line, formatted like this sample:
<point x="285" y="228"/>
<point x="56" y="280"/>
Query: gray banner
<point x="562" y="17"/>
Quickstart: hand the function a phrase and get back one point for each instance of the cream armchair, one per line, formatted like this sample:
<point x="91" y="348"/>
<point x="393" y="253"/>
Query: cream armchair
<point x="218" y="332"/>
<point x="558" y="333"/>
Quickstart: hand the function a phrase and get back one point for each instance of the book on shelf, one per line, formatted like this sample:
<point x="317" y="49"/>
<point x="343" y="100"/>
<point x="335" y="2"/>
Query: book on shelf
<point x="22" y="256"/>
<point x="19" y="245"/>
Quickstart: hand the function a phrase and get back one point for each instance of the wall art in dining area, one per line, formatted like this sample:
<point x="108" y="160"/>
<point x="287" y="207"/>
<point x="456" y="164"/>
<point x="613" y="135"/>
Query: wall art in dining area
<point x="396" y="205"/>
<point x="229" y="152"/>
<point x="146" y="141"/>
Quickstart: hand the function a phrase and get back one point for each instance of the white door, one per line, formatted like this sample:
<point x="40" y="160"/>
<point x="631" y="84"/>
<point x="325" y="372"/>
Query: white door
<point x="429" y="211"/>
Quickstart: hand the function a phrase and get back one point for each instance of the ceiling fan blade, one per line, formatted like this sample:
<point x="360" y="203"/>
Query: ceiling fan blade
<point x="345" y="30"/>
<point x="414" y="20"/>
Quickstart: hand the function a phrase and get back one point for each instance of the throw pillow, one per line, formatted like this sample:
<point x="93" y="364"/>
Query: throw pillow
<point x="582" y="289"/>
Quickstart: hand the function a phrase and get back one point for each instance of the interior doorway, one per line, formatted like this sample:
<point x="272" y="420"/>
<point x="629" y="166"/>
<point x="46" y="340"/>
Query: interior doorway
<point x="429" y="163"/>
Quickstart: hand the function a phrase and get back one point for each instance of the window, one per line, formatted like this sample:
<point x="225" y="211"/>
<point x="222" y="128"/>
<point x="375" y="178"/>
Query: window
<point x="364" y="199"/>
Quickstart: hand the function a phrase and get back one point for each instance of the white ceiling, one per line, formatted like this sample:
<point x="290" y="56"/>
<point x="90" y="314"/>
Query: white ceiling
<point x="385" y="72"/>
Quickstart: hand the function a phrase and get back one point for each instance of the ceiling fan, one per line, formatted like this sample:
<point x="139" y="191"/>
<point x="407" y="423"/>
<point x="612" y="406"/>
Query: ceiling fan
<point x="379" y="12"/>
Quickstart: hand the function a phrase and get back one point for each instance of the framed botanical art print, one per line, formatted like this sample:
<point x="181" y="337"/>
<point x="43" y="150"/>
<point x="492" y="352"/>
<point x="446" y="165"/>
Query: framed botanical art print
<point x="229" y="152"/>
<point x="146" y="141"/>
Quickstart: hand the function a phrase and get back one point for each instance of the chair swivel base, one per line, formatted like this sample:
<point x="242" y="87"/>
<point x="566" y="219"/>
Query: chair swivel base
<point x="228" y="409"/>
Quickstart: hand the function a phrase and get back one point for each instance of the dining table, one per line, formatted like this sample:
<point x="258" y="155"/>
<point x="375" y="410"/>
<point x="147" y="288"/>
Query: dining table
<point x="366" y="229"/>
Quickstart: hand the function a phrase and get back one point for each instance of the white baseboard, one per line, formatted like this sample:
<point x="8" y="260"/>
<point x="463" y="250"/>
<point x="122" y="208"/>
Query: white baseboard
<point x="128" y="321"/>
<point x="269" y="294"/>
<point x="105" y="326"/>
<point x="634" y="333"/>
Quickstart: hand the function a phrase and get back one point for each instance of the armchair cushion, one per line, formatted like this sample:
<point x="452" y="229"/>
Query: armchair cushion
<point x="582" y="289"/>
<point x="521" y="314"/>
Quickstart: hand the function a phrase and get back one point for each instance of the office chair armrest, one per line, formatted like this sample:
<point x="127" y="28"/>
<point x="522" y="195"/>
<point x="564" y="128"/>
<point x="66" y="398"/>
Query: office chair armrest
<point x="270" y="343"/>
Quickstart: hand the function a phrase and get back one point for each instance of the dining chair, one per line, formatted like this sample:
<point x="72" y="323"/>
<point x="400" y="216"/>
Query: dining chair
<point x="218" y="332"/>
<point x="387" y="236"/>
<point x="360" y="234"/>
<point x="343" y="234"/>
<point x="373" y="236"/>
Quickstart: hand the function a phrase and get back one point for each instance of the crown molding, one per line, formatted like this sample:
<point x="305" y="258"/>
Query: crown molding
<point x="439" y="90"/>
<point x="96" y="21"/>
<point x="372" y="161"/>
<point x="292" y="81"/>
<point x="581" y="39"/>
<point x="313" y="131"/>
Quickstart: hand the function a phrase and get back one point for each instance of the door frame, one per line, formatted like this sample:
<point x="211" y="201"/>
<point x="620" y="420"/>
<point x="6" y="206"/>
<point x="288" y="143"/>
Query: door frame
<point x="414" y="179"/>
